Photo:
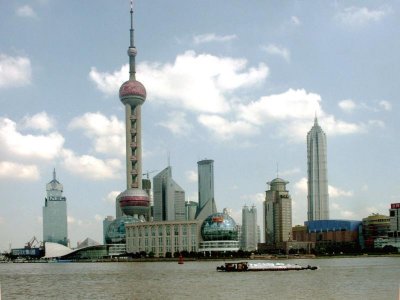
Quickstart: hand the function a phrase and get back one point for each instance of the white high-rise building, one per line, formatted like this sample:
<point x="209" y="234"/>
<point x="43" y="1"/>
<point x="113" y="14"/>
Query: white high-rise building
<point x="55" y="227"/>
<point x="169" y="198"/>
<point x="277" y="213"/>
<point x="249" y="236"/>
<point x="318" y="198"/>
<point x="207" y="205"/>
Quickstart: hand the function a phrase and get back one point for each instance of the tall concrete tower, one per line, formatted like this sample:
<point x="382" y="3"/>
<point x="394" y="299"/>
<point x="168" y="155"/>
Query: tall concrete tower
<point x="134" y="201"/>
<point x="55" y="213"/>
<point x="277" y="213"/>
<point x="206" y="189"/>
<point x="318" y="198"/>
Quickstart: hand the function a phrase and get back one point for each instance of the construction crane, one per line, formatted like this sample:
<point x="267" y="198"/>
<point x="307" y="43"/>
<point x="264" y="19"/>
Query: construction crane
<point x="33" y="243"/>
<point x="148" y="173"/>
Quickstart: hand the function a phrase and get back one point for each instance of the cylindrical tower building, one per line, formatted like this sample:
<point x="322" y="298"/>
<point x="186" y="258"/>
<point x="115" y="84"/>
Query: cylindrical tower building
<point x="134" y="201"/>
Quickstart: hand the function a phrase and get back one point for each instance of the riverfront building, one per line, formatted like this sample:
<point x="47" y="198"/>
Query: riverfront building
<point x="318" y="202"/>
<point x="55" y="226"/>
<point x="329" y="235"/>
<point x="249" y="229"/>
<point x="169" y="198"/>
<point x="374" y="226"/>
<point x="277" y="213"/>
<point x="163" y="238"/>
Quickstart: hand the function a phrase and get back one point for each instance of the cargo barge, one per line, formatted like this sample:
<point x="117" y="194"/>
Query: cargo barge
<point x="247" y="267"/>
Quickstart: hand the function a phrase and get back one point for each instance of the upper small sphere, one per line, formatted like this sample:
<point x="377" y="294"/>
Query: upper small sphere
<point x="132" y="88"/>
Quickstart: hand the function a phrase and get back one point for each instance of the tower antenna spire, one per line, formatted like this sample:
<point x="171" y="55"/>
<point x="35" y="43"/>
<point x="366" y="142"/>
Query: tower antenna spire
<point x="277" y="170"/>
<point x="54" y="174"/>
<point x="132" y="49"/>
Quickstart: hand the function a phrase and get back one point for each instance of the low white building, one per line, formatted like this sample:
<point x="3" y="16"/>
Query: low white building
<point x="163" y="237"/>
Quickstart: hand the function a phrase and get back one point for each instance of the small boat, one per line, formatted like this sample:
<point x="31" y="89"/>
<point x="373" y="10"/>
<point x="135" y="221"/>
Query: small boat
<point x="246" y="267"/>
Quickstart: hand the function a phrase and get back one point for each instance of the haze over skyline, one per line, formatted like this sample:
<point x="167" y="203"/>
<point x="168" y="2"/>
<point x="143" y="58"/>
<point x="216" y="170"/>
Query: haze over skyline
<point x="233" y="81"/>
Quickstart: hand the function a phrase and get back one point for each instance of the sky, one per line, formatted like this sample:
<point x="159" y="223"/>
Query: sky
<point x="239" y="82"/>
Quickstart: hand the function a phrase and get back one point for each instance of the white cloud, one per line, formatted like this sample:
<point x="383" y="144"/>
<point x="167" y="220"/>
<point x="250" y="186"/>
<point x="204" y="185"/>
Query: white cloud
<point x="347" y="105"/>
<point x="195" y="82"/>
<point x="107" y="83"/>
<point x="278" y="50"/>
<point x="191" y="176"/>
<point x="107" y="134"/>
<point x="359" y="16"/>
<point x="301" y="186"/>
<point x="295" y="20"/>
<point x="14" y="71"/>
<point x="98" y="218"/>
<point x="91" y="167"/>
<point x="40" y="121"/>
<point x="292" y="104"/>
<point x="15" y="143"/>
<point x="335" y="192"/>
<point x="224" y="129"/>
<point x="26" y="11"/>
<point x="212" y="37"/>
<point x="111" y="196"/>
<point x="385" y="105"/>
<point x="253" y="199"/>
<point x="177" y="123"/>
<point x="12" y="170"/>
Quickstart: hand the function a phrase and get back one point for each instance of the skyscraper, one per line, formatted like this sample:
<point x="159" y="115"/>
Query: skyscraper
<point x="318" y="199"/>
<point x="169" y="197"/>
<point x="249" y="237"/>
<point x="206" y="189"/>
<point x="277" y="213"/>
<point x="134" y="201"/>
<point x="55" y="213"/>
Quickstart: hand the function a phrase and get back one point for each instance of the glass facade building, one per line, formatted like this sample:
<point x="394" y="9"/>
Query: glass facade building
<point x="55" y="227"/>
<point x="169" y="198"/>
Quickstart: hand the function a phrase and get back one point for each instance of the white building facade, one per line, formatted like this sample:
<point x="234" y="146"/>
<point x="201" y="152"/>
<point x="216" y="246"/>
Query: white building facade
<point x="317" y="171"/>
<point x="249" y="232"/>
<point x="161" y="238"/>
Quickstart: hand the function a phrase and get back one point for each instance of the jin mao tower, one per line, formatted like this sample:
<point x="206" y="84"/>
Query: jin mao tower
<point x="318" y="199"/>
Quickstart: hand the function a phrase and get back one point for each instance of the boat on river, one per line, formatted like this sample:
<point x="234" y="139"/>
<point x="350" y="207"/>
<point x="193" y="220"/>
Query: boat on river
<point x="246" y="267"/>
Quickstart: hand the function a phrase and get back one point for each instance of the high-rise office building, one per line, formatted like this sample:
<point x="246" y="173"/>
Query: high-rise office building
<point x="169" y="197"/>
<point x="55" y="227"/>
<point x="191" y="209"/>
<point x="249" y="234"/>
<point x="318" y="199"/>
<point x="277" y="213"/>
<point x="207" y="205"/>
<point x="134" y="201"/>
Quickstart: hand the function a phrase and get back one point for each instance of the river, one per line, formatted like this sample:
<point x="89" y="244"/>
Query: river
<point x="337" y="278"/>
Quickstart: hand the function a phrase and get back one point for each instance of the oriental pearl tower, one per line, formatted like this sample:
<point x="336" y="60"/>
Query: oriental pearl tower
<point x="134" y="201"/>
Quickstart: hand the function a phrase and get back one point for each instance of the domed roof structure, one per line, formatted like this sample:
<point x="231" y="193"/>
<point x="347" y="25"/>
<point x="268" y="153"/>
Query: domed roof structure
<point x="219" y="227"/>
<point x="116" y="232"/>
<point x="132" y="88"/>
<point x="278" y="181"/>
